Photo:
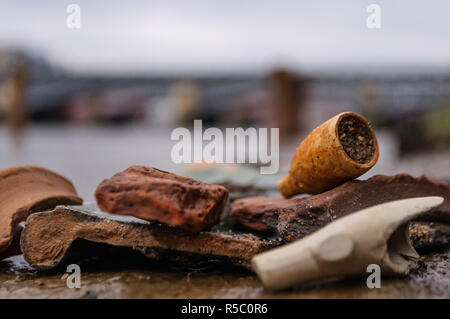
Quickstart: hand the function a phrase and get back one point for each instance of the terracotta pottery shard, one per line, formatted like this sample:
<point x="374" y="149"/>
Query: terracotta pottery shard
<point x="319" y="210"/>
<point x="261" y="213"/>
<point x="298" y="217"/>
<point x="46" y="240"/>
<point x="151" y="194"/>
<point x="28" y="189"/>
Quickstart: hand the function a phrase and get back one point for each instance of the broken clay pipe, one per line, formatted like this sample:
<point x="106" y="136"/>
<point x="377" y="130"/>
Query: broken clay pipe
<point x="25" y="190"/>
<point x="47" y="239"/>
<point x="340" y="149"/>
<point x="344" y="248"/>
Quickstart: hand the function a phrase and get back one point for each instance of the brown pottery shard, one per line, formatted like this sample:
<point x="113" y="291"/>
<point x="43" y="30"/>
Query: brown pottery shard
<point x="298" y="217"/>
<point x="321" y="209"/>
<point x="152" y="194"/>
<point x="28" y="189"/>
<point x="260" y="213"/>
<point x="46" y="240"/>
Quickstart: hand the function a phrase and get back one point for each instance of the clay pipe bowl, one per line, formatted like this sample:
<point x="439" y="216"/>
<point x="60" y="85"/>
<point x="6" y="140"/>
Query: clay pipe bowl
<point x="342" y="148"/>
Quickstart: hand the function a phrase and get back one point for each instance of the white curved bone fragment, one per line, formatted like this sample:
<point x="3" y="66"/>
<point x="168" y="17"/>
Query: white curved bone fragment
<point x="344" y="248"/>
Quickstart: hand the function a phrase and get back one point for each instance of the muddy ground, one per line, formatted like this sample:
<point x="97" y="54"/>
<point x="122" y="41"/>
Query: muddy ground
<point x="128" y="275"/>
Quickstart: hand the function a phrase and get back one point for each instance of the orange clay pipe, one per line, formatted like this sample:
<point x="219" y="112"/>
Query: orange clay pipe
<point x="342" y="148"/>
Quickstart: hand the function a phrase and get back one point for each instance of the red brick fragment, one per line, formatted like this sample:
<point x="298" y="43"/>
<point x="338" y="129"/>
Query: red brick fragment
<point x="152" y="194"/>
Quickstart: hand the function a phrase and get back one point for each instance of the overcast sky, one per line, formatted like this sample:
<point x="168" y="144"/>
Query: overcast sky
<point x="231" y="35"/>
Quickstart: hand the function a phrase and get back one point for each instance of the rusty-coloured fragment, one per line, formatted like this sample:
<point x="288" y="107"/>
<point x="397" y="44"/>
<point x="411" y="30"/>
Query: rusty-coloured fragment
<point x="152" y="194"/>
<point x="25" y="190"/>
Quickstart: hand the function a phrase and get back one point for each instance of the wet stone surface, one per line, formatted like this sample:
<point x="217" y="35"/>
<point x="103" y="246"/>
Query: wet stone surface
<point x="136" y="277"/>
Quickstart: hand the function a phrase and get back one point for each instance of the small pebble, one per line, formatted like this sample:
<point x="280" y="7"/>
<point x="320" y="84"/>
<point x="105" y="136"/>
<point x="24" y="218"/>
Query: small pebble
<point x="38" y="282"/>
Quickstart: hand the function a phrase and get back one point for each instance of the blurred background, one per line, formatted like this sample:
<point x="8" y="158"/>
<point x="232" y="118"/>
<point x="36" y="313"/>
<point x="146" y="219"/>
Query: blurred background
<point x="89" y="102"/>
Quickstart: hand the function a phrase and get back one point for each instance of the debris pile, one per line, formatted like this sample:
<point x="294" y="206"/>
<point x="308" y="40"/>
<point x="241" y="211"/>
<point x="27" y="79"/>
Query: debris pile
<point x="174" y="218"/>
